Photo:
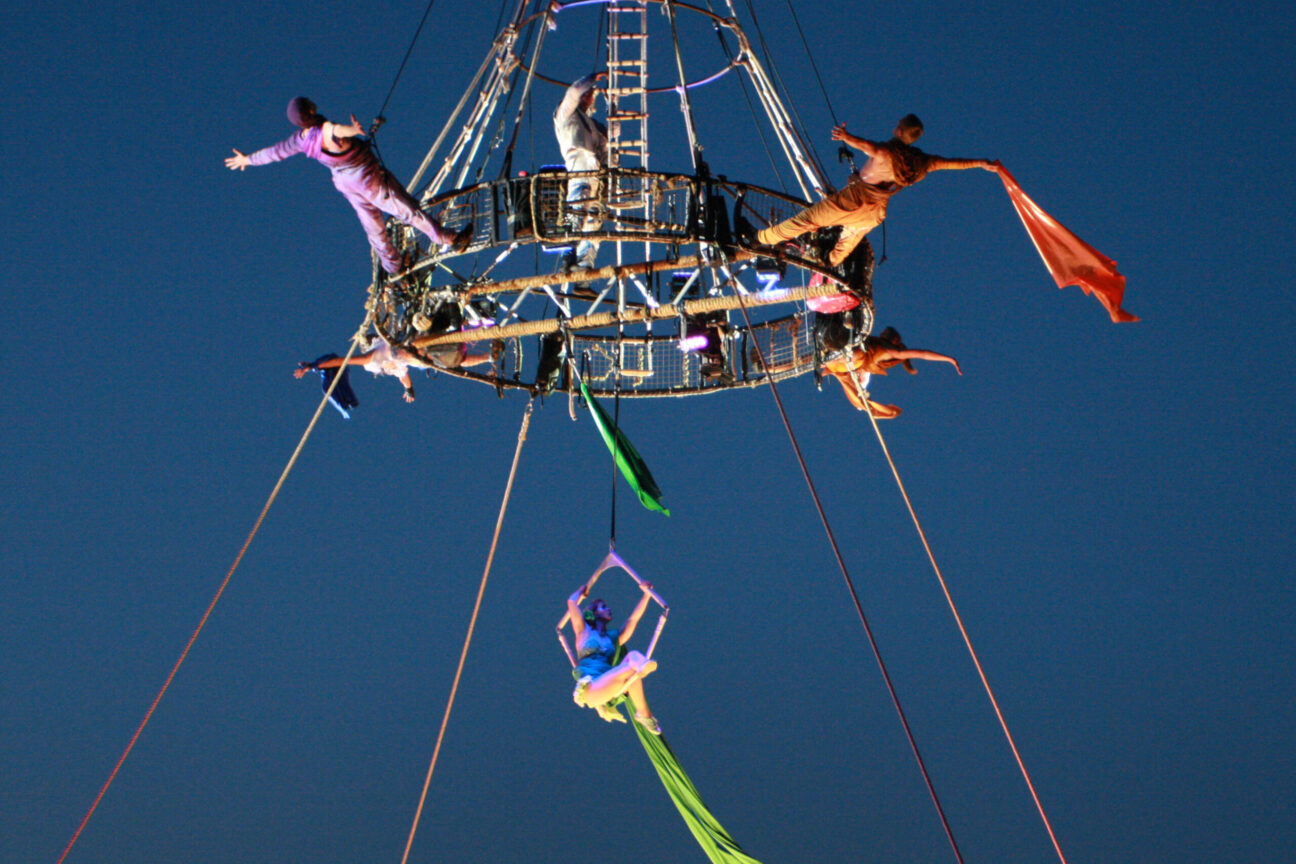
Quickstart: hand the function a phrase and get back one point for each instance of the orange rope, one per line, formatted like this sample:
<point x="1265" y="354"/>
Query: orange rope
<point x="967" y="640"/>
<point x="472" y="625"/>
<point x="212" y="605"/>
<point x="859" y="608"/>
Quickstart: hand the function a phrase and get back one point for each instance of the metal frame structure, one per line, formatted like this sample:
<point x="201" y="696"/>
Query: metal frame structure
<point x="684" y="259"/>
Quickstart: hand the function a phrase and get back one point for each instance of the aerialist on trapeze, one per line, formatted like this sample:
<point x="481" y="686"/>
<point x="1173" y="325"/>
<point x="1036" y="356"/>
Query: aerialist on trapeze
<point x="862" y="205"/>
<point x="584" y="144"/>
<point x="361" y="178"/>
<point x="874" y="356"/>
<point x="598" y="681"/>
<point x="384" y="359"/>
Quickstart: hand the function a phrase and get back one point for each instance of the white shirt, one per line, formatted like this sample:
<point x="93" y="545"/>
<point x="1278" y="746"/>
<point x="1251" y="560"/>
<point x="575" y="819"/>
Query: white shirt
<point x="582" y="139"/>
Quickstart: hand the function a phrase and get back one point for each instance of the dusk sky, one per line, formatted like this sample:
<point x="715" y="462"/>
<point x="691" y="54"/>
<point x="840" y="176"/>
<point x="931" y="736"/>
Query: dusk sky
<point x="1111" y="505"/>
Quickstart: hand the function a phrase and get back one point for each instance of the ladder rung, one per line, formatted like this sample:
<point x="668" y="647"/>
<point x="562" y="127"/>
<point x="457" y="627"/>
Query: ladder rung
<point x="626" y="116"/>
<point x="627" y="36"/>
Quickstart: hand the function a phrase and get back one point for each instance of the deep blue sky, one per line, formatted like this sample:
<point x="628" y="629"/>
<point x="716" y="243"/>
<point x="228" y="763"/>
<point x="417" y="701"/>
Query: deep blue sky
<point x="1112" y="505"/>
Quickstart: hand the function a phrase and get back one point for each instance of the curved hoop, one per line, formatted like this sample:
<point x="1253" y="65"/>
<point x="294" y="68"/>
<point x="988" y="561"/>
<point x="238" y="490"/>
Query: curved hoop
<point x="716" y="19"/>
<point x="651" y="91"/>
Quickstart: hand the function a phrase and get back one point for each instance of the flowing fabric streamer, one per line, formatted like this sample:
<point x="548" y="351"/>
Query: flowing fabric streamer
<point x="1071" y="260"/>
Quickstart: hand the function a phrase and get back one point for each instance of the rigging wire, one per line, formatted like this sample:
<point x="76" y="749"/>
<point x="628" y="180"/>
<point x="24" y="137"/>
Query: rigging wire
<point x="967" y="640"/>
<point x="472" y="625"/>
<point x="408" y="51"/>
<point x="283" y="476"/>
<point x="616" y="430"/>
<point x="813" y="65"/>
<point x="769" y="61"/>
<point x="751" y="109"/>
<point x="850" y="586"/>
<point x="600" y="44"/>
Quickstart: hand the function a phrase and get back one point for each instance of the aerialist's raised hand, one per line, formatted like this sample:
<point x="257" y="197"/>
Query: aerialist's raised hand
<point x="839" y="132"/>
<point x="237" y="162"/>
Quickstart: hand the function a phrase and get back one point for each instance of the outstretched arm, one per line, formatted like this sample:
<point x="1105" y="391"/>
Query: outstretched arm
<point x="917" y="354"/>
<point x="633" y="621"/>
<point x="940" y="163"/>
<point x="288" y="147"/>
<point x="574" y="611"/>
<point x="332" y="363"/>
<point x="839" y="133"/>
<point x="337" y="130"/>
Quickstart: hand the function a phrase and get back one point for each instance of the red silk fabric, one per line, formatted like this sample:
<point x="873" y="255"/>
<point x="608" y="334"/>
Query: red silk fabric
<point x="1071" y="260"/>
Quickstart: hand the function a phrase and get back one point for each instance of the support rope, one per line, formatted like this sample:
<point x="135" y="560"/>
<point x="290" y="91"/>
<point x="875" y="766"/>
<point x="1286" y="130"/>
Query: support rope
<point x="283" y="476"/>
<point x="967" y="640"/>
<point x="859" y="609"/>
<point x="616" y="438"/>
<point x="472" y="625"/>
<point x="408" y="51"/>
<point x="813" y="64"/>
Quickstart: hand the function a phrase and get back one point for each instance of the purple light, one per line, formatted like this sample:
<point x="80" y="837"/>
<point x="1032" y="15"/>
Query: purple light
<point x="693" y="343"/>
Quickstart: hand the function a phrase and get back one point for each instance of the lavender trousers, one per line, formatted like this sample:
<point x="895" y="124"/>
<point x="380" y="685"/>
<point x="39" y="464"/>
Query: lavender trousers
<point x="373" y="191"/>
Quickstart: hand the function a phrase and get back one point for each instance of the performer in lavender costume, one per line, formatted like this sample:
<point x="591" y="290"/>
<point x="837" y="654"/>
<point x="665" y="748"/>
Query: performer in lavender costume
<point x="359" y="176"/>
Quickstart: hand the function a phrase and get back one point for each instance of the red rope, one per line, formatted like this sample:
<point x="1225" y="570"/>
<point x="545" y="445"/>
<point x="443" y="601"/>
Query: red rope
<point x="212" y="605"/>
<point x="967" y="640"/>
<point x="859" y="609"/>
<point x="472" y="625"/>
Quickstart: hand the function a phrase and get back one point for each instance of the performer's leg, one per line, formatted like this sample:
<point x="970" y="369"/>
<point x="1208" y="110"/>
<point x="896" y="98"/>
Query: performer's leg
<point x="387" y="194"/>
<point x="375" y="226"/>
<point x="617" y="680"/>
<point x="835" y="209"/>
<point x="851" y="235"/>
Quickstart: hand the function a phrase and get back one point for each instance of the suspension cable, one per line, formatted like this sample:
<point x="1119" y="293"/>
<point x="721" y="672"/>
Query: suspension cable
<point x="686" y="106"/>
<point x="408" y="51"/>
<point x="769" y="60"/>
<point x="967" y="640"/>
<point x="616" y="435"/>
<point x="850" y="587"/>
<point x="283" y="476"/>
<point x="751" y="109"/>
<point x="472" y="625"/>
<point x="813" y="65"/>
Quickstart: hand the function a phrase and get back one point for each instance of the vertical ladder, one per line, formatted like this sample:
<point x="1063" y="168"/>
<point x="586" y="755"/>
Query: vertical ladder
<point x="627" y="115"/>
<point x="627" y="93"/>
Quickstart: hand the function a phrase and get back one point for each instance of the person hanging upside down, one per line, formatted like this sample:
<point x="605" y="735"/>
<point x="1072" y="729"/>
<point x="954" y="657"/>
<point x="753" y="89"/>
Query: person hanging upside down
<point x="598" y="681"/>
<point x="383" y="359"/>
<point x="361" y="178"/>
<point x="876" y="355"/>
<point x="862" y="205"/>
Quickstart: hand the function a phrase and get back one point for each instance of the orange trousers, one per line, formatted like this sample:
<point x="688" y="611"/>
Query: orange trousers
<point x="858" y="209"/>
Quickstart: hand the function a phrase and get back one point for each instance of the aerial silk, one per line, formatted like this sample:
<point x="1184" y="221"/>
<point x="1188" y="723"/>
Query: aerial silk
<point x="709" y="833"/>
<point x="343" y="397"/>
<point x="1071" y="260"/>
<point x="633" y="468"/>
